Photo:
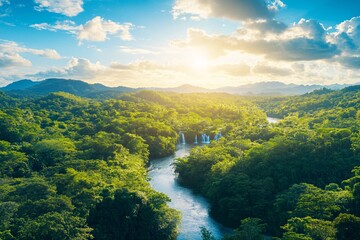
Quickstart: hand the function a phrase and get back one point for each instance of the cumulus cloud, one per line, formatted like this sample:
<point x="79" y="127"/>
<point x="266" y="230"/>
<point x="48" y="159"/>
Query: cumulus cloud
<point x="135" y="74"/>
<point x="213" y="45"/>
<point x="98" y="29"/>
<point x="12" y="60"/>
<point x="304" y="41"/>
<point x="156" y="74"/>
<point x="347" y="35"/>
<point x="260" y="28"/>
<point x="68" y="8"/>
<point x="95" y="30"/>
<point x="231" y="9"/>
<point x="143" y="73"/>
<point x="306" y="28"/>
<point x="347" y="38"/>
<point x="10" y="54"/>
<point x="76" y="68"/>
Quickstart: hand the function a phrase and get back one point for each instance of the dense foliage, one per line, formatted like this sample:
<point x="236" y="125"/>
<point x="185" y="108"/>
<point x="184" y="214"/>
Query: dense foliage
<point x="75" y="168"/>
<point x="300" y="176"/>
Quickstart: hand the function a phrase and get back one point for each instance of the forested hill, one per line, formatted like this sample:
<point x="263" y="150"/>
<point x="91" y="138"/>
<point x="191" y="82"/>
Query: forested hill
<point x="298" y="179"/>
<point x="314" y="102"/>
<point x="28" y="88"/>
<point x="75" y="168"/>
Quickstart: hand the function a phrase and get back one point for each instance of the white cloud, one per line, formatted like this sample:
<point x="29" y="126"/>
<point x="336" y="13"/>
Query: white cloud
<point x="347" y="35"/>
<point x="95" y="30"/>
<point x="261" y="28"/>
<point x="134" y="74"/>
<point x="10" y="54"/>
<point x="98" y="29"/>
<point x="68" y="8"/>
<point x="66" y="25"/>
<point x="347" y="38"/>
<point x="76" y="68"/>
<point x="142" y="74"/>
<point x="304" y="41"/>
<point x="135" y="51"/>
<point x="12" y="60"/>
<point x="276" y="5"/>
<point x="311" y="29"/>
<point x="231" y="9"/>
<point x="155" y="74"/>
<point x="47" y="53"/>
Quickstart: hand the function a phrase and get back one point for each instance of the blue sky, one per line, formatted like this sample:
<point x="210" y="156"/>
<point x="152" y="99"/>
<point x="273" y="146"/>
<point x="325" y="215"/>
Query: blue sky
<point x="209" y="43"/>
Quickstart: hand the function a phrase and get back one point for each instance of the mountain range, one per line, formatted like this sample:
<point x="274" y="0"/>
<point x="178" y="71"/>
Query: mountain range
<point x="26" y="88"/>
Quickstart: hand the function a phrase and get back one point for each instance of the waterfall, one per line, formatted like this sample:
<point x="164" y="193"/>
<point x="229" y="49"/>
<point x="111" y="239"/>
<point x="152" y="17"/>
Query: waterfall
<point x="205" y="138"/>
<point x="196" y="140"/>
<point x="182" y="138"/>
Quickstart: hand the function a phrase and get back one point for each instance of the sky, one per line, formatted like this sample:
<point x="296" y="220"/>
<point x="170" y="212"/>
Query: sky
<point x="167" y="43"/>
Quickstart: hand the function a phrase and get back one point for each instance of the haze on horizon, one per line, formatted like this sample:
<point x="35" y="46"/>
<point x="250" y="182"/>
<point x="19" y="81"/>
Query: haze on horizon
<point x="211" y="43"/>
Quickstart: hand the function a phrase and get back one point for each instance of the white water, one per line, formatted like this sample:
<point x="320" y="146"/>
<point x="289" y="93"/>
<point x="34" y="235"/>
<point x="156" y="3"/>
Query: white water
<point x="194" y="208"/>
<point x="273" y="120"/>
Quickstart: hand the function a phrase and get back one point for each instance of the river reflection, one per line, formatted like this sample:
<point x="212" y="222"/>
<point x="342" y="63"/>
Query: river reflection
<point x="194" y="208"/>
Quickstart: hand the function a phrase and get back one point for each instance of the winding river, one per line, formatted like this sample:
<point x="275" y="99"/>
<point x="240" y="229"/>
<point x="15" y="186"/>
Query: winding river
<point x="193" y="207"/>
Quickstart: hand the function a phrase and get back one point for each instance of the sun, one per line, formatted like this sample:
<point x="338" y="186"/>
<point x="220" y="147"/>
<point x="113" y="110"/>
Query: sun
<point x="198" y="62"/>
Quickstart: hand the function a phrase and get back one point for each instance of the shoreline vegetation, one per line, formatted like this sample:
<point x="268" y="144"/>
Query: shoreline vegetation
<point x="75" y="168"/>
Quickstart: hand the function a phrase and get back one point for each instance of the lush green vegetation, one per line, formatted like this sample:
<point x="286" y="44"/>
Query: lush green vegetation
<point x="300" y="176"/>
<point x="75" y="168"/>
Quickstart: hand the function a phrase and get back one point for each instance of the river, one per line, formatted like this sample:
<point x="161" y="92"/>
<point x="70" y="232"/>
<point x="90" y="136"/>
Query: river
<point x="193" y="207"/>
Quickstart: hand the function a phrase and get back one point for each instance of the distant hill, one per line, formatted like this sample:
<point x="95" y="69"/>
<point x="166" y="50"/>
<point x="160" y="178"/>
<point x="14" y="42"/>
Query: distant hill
<point x="261" y="88"/>
<point x="26" y="88"/>
<point x="186" y="88"/>
<point x="19" y="85"/>
<point x="76" y="87"/>
<point x="276" y="88"/>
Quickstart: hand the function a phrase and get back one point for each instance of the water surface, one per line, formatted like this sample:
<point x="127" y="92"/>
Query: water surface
<point x="193" y="207"/>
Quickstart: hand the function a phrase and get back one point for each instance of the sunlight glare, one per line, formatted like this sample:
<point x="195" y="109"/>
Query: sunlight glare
<point x="198" y="61"/>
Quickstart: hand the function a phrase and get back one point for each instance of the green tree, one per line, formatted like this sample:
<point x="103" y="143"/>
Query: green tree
<point x="133" y="216"/>
<point x="250" y="229"/>
<point x="347" y="227"/>
<point x="206" y="234"/>
<point x="55" y="226"/>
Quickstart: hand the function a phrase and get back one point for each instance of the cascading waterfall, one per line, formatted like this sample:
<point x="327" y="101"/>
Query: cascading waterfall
<point x="182" y="138"/>
<point x="218" y="136"/>
<point x="205" y="138"/>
